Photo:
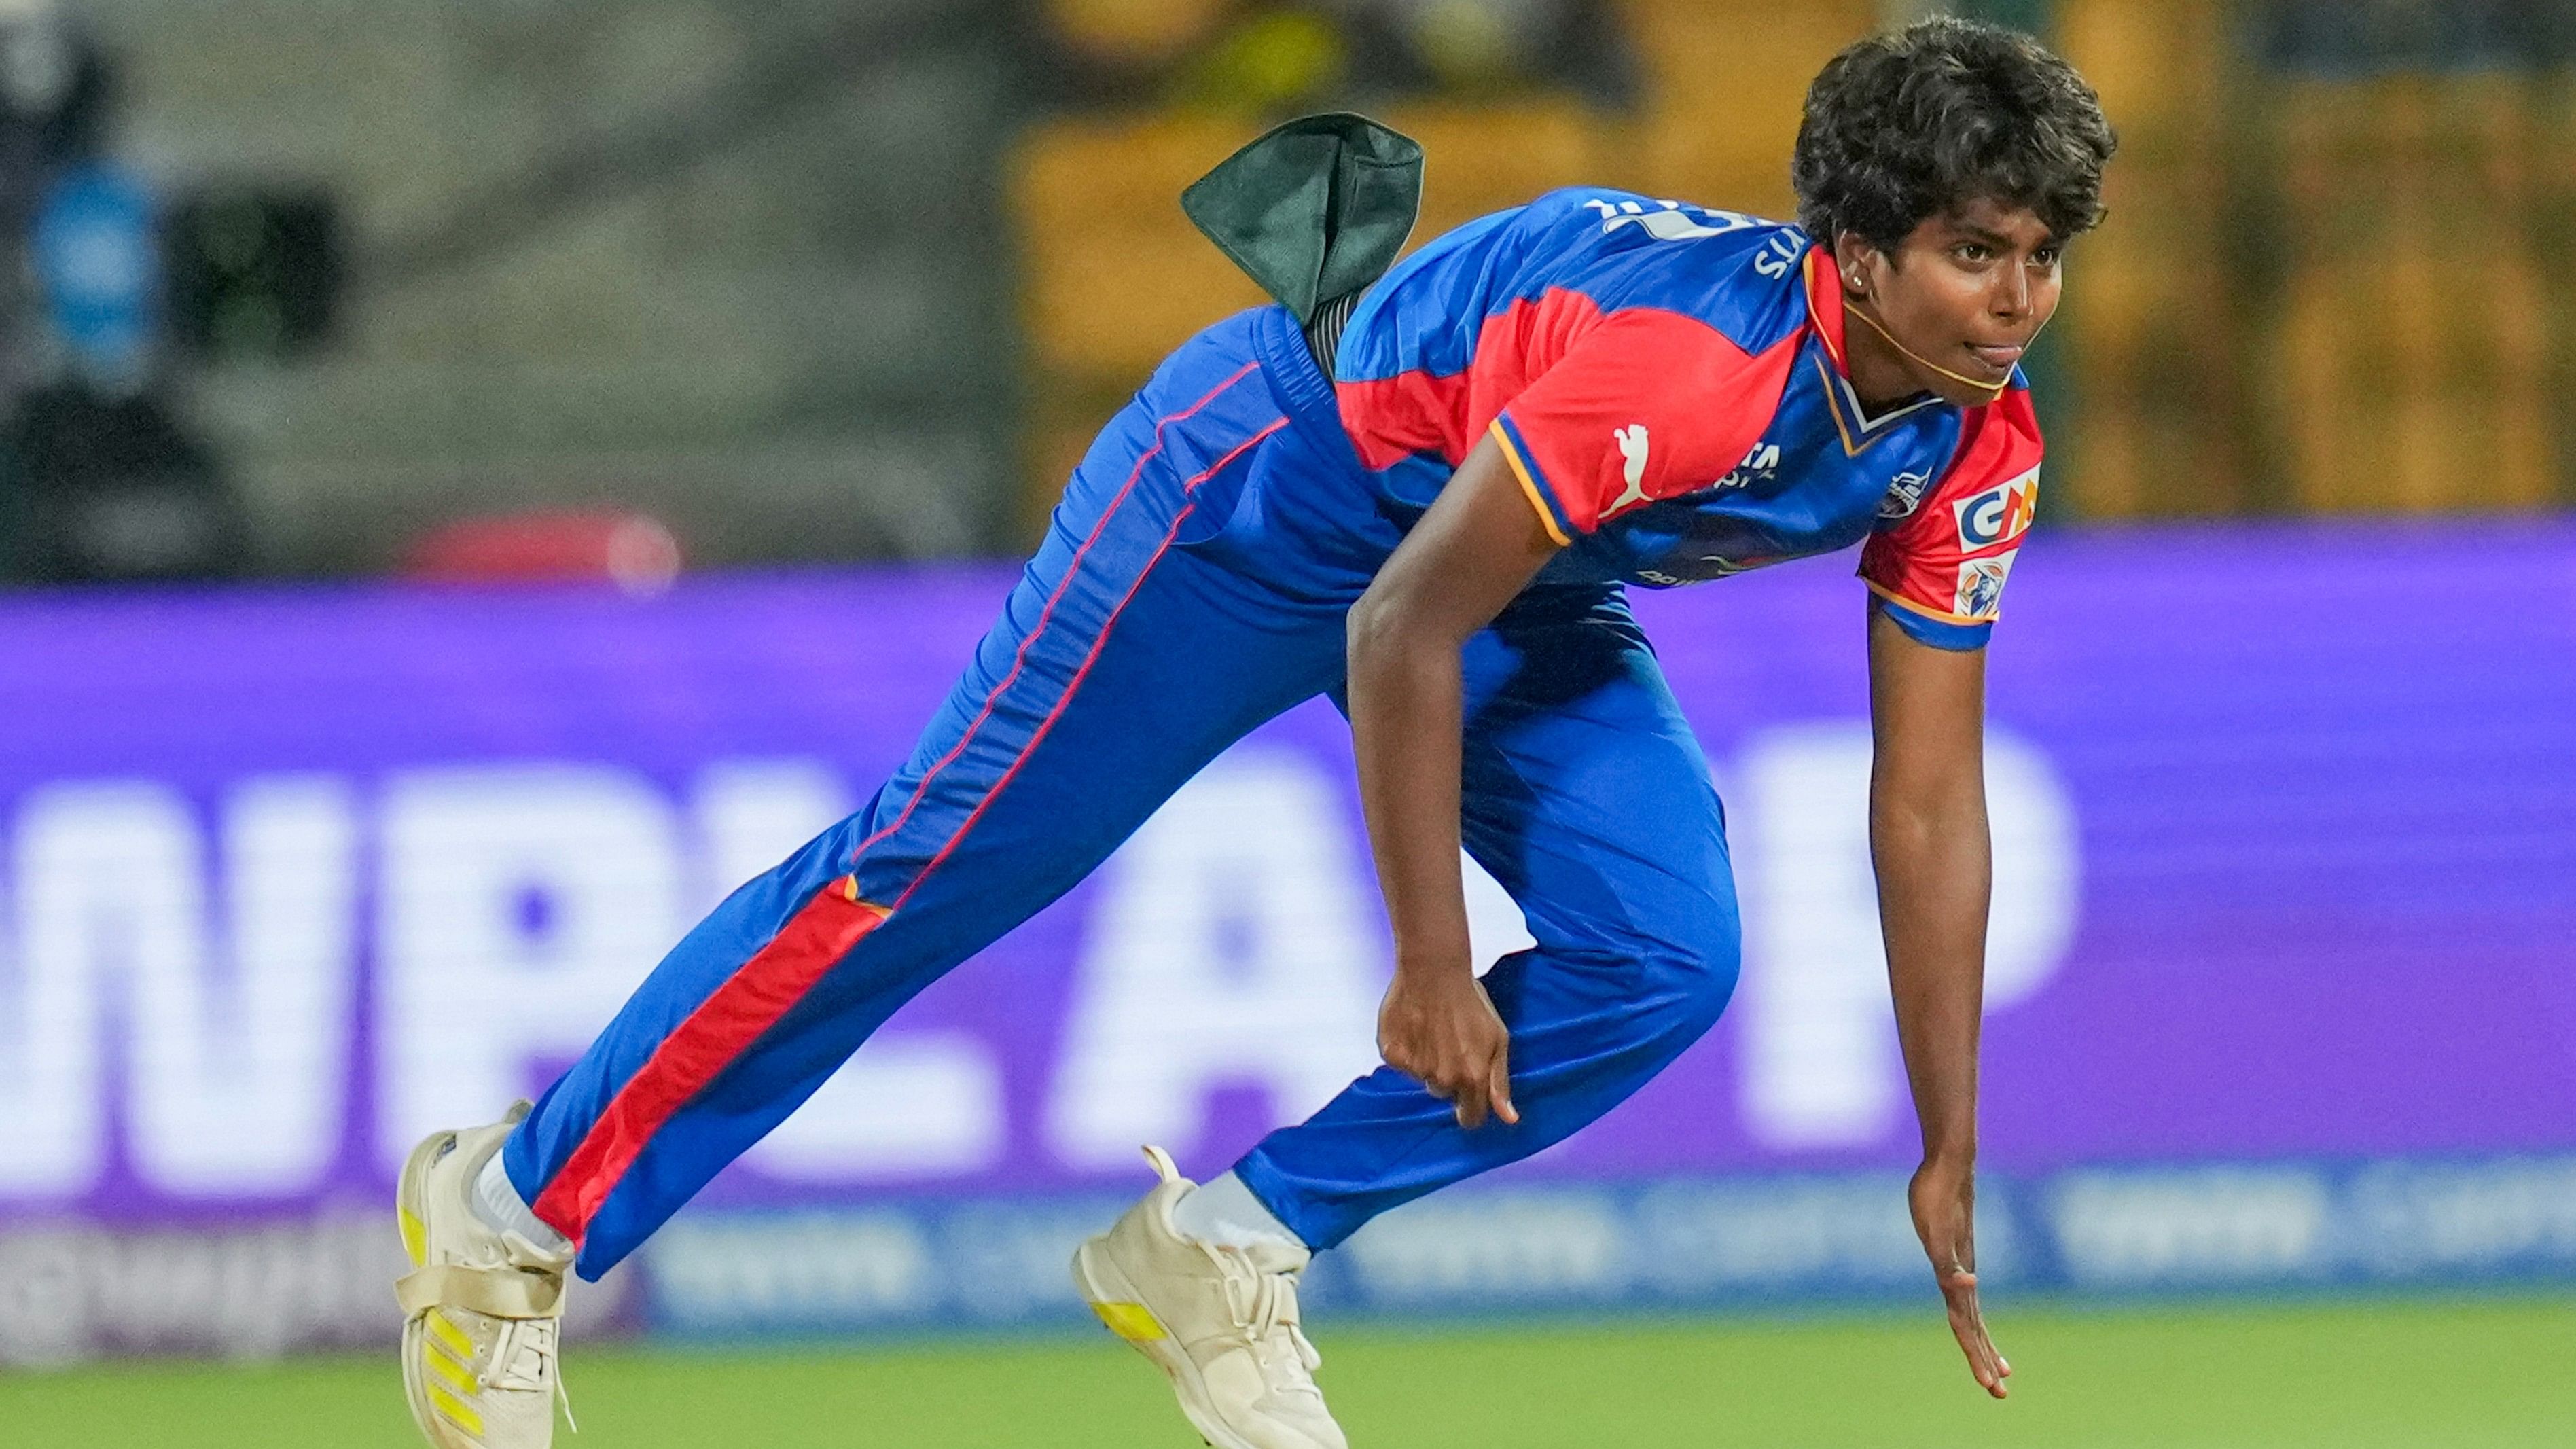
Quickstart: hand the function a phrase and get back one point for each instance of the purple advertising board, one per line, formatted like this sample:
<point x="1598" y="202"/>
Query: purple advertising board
<point x="2282" y="971"/>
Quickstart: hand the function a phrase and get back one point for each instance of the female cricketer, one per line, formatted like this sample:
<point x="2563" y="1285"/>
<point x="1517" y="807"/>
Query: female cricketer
<point x="1423" y="497"/>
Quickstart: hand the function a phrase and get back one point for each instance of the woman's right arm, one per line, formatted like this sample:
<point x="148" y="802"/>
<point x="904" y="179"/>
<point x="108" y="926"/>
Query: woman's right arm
<point x="1471" y="554"/>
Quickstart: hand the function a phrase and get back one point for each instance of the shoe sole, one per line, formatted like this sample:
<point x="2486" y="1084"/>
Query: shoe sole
<point x="1123" y="1312"/>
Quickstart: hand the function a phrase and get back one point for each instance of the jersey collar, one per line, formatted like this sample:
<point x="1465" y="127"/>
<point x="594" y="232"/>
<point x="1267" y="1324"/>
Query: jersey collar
<point x="1824" y="304"/>
<point x="1825" y="314"/>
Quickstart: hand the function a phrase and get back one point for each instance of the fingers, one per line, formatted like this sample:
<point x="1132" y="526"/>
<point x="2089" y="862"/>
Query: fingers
<point x="1943" y="1206"/>
<point x="1968" y="1325"/>
<point x="1464" y="1088"/>
<point x="1488" y="1091"/>
<point x="1476" y="1096"/>
<point x="1476" y="1099"/>
<point x="1469" y="1105"/>
<point x="1987" y="1365"/>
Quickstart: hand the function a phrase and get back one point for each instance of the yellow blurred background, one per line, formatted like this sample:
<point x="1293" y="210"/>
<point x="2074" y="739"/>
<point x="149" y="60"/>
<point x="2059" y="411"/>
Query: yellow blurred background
<point x="2322" y="288"/>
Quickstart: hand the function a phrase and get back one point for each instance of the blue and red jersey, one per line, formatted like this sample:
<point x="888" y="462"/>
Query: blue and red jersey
<point x="1668" y="384"/>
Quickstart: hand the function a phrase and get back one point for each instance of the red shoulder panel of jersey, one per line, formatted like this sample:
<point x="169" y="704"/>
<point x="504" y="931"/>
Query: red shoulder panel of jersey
<point x="1946" y="561"/>
<point x="1648" y="405"/>
<point x="1419" y="411"/>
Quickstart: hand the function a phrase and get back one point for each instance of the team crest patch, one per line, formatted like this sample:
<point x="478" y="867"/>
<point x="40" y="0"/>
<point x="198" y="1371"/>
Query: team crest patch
<point x="1981" y="587"/>
<point x="1904" y="495"/>
<point x="1999" y="515"/>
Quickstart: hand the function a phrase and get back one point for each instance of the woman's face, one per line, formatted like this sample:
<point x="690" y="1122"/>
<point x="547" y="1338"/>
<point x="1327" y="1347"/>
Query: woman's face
<point x="1966" y="292"/>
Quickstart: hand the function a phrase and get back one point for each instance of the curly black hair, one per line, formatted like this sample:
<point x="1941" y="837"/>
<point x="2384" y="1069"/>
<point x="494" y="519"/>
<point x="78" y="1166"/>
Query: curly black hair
<point x="1919" y="122"/>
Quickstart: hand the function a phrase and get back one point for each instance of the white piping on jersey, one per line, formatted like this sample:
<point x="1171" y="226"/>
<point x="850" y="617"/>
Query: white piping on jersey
<point x="1860" y="414"/>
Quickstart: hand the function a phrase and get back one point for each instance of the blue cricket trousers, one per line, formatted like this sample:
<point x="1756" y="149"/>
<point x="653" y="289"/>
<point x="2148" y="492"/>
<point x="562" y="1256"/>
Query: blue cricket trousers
<point x="1193" y="584"/>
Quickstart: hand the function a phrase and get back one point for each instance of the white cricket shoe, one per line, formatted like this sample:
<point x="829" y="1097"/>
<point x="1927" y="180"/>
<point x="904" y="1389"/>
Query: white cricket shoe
<point x="481" y="1308"/>
<point x="1221" y="1323"/>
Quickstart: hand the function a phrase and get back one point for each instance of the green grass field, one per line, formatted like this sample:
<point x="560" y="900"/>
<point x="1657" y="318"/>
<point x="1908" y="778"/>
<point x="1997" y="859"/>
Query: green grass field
<point x="2350" y="1376"/>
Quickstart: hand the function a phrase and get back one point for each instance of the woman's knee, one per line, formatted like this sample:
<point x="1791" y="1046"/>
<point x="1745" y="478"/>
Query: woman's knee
<point x="1695" y="961"/>
<point x="1702" y="980"/>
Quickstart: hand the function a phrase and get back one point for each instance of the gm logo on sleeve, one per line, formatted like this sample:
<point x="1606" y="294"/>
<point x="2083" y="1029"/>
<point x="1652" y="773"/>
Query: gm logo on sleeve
<point x="2000" y="514"/>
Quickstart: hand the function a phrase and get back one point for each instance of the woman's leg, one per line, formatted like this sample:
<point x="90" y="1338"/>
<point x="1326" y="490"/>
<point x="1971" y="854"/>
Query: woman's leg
<point x="1588" y="799"/>
<point x="1121" y="664"/>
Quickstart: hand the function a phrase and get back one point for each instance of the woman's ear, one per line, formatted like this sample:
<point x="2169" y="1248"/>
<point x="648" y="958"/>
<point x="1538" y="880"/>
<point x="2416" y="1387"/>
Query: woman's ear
<point x="1852" y="258"/>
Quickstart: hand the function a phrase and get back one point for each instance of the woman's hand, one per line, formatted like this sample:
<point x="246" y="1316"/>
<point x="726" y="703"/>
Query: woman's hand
<point x="1943" y="1197"/>
<point x="1438" y="1027"/>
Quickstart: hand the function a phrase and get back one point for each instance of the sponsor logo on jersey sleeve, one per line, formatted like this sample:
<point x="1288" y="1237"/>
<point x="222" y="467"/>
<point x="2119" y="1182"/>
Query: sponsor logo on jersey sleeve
<point x="1981" y="586"/>
<point x="1999" y="515"/>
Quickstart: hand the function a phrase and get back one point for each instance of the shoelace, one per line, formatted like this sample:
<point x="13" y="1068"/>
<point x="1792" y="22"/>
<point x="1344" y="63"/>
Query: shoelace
<point x="1273" y="1306"/>
<point x="505" y="1350"/>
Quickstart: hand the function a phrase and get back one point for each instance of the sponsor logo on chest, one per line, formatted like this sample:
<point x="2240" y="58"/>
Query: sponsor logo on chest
<point x="1760" y="465"/>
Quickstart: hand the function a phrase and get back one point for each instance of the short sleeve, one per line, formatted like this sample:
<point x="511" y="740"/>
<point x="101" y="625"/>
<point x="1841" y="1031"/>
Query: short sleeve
<point x="1648" y="405"/>
<point x="1938" y="570"/>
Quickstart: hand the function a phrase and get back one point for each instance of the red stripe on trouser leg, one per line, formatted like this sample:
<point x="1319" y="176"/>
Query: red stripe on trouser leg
<point x="767" y="986"/>
<point x="750" y="1001"/>
<point x="1038" y="736"/>
<point x="1046" y="614"/>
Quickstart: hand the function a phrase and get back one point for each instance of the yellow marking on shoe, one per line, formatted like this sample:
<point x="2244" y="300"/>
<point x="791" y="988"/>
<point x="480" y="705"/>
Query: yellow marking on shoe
<point x="415" y="1236"/>
<point x="454" y="1411"/>
<point x="1130" y="1321"/>
<point x="451" y="1337"/>
<point x="445" y="1366"/>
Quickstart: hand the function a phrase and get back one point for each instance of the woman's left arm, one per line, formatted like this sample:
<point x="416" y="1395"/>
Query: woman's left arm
<point x="1928" y="842"/>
